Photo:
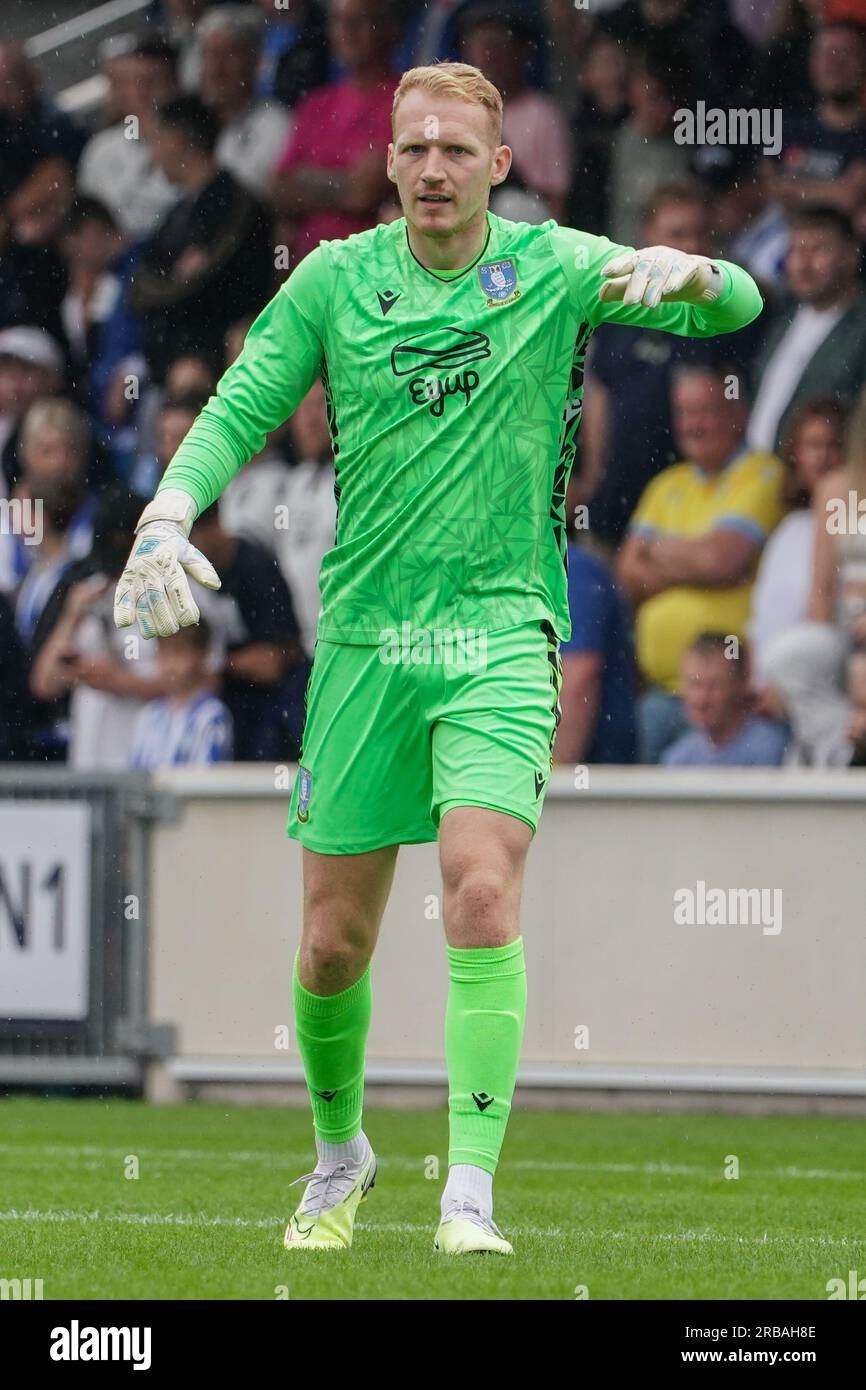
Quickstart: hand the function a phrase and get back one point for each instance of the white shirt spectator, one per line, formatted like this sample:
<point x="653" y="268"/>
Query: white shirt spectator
<point x="807" y="331"/>
<point x="250" y="147"/>
<point x="781" y="592"/>
<point x="122" y="175"/>
<point x="101" y="724"/>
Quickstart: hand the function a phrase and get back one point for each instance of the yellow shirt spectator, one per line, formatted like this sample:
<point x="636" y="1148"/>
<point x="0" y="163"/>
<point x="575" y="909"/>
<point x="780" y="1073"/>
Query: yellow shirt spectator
<point x="683" y="500"/>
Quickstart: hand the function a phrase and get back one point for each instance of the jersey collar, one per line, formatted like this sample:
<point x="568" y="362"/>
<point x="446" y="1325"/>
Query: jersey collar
<point x="451" y="278"/>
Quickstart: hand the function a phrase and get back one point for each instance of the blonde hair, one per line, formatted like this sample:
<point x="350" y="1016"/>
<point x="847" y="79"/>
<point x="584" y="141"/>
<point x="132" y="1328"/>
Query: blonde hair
<point x="453" y="80"/>
<point x="55" y="413"/>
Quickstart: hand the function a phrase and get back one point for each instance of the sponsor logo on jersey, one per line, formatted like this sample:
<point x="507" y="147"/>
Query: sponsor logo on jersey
<point x="499" y="282"/>
<point x="387" y="300"/>
<point x="436" y="361"/>
<point x="305" y="788"/>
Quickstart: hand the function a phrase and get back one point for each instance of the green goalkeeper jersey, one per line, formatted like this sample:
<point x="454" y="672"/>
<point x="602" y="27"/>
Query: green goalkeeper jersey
<point x="453" y="403"/>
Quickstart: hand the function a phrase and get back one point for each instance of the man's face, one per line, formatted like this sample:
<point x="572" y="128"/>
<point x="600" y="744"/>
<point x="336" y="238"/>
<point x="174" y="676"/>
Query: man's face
<point x="684" y="225"/>
<point x="820" y="263"/>
<point x="228" y="69"/>
<point x="182" y="663"/>
<point x="707" y="427"/>
<point x="711" y="690"/>
<point x="443" y="160"/>
<point x="837" y="63"/>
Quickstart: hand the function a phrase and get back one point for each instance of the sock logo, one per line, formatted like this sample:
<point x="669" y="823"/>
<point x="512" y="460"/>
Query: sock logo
<point x="482" y="1100"/>
<point x="326" y="1095"/>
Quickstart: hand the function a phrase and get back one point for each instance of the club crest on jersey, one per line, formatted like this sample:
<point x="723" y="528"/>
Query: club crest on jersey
<point x="499" y="282"/>
<point x="305" y="788"/>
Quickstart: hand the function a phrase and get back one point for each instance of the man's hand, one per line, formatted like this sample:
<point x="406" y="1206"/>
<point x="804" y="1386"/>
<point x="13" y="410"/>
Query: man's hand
<point x="153" y="588"/>
<point x="660" y="275"/>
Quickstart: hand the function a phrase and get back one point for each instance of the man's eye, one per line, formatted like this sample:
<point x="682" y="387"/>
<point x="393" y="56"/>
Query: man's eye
<point x="457" y="149"/>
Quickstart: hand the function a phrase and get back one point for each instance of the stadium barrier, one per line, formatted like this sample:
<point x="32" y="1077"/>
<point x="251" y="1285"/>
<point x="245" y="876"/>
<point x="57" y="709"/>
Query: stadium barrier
<point x="689" y="933"/>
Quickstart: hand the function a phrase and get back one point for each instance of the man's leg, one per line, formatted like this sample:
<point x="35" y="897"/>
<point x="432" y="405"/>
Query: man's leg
<point x="344" y="899"/>
<point x="482" y="856"/>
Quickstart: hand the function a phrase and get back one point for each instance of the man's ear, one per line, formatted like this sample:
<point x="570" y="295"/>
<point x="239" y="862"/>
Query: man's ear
<point x="501" y="165"/>
<point x="389" y="167"/>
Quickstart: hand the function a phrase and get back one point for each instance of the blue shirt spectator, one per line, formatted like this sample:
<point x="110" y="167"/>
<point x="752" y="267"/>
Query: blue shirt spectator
<point x="759" y="743"/>
<point x="597" y="699"/>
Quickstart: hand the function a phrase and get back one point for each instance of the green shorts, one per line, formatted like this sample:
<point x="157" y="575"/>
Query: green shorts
<point x="395" y="737"/>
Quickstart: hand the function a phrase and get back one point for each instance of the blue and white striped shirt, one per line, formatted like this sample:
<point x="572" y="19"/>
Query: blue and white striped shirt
<point x="169" y="734"/>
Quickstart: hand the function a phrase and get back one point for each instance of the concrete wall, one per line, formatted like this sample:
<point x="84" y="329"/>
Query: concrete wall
<point x="729" y="1007"/>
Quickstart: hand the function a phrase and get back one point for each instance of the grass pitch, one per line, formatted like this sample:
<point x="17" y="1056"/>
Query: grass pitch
<point x="627" y="1206"/>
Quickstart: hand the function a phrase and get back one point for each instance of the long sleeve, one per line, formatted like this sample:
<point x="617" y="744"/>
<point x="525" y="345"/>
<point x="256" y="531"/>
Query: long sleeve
<point x="280" y="360"/>
<point x="582" y="256"/>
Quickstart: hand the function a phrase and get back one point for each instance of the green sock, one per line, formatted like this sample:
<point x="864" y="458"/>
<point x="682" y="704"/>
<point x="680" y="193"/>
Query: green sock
<point x="332" y="1037"/>
<point x="483" y="1032"/>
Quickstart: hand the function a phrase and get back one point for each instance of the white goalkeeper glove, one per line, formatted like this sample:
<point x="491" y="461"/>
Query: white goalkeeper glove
<point x="660" y="275"/>
<point x="154" y="589"/>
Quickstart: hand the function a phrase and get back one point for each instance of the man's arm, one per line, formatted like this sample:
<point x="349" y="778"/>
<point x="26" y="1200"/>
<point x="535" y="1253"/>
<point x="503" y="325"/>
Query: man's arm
<point x="281" y="357"/>
<point x="687" y="309"/>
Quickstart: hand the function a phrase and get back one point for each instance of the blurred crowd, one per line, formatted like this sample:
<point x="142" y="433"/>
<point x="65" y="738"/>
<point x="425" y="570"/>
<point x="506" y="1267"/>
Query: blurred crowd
<point x="717" y="569"/>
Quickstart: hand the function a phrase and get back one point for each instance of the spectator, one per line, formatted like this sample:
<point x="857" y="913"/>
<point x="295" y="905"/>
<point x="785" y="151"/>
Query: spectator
<point x="823" y="158"/>
<point x="189" y="726"/>
<point x="292" y="511"/>
<point x="85" y="671"/>
<point x="597" y="724"/>
<point x="689" y="559"/>
<point x="806" y="666"/>
<point x="118" y="166"/>
<point x="817" y="345"/>
<point x="264" y="671"/>
<point x="31" y="365"/>
<point x="643" y="152"/>
<point x="253" y="131"/>
<point x="781" y="594"/>
<point x="174" y="418"/>
<point x="211" y="259"/>
<point x="698" y="28"/>
<point x="90" y="244"/>
<point x="181" y="24"/>
<point x="497" y="38"/>
<point x="55" y="445"/>
<point x="15" y="710"/>
<point x="754" y="233"/>
<point x="626" y="430"/>
<point x="39" y="150"/>
<point x="723" y="732"/>
<point x="604" y="76"/>
<point x="294" y="57"/>
<point x="331" y="178"/>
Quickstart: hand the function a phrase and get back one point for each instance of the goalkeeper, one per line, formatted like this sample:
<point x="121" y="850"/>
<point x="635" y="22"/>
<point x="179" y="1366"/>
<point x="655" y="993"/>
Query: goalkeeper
<point x="451" y="344"/>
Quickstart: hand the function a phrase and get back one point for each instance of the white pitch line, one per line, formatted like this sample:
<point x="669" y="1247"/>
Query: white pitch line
<point x="291" y="1158"/>
<point x="60" y="1216"/>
